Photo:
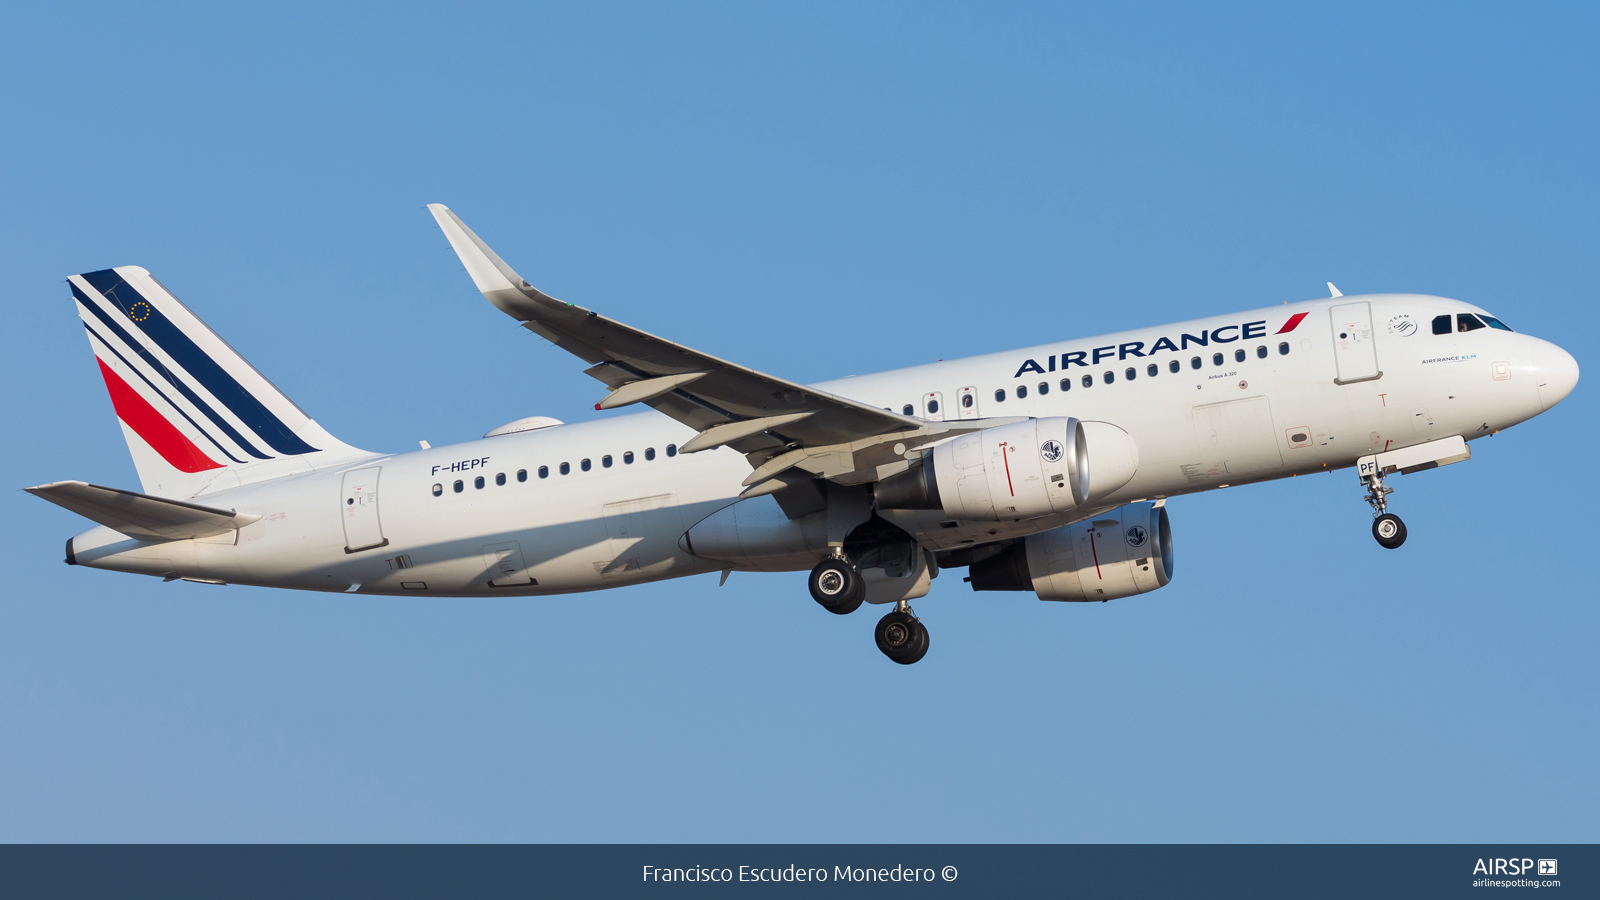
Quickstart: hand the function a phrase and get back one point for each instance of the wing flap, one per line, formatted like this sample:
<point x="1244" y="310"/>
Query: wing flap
<point x="141" y="516"/>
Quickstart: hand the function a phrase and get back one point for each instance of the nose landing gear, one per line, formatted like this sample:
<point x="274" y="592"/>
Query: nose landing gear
<point x="901" y="635"/>
<point x="1387" y="528"/>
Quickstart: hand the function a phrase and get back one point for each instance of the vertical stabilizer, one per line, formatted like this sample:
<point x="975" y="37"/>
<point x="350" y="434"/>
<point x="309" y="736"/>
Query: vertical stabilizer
<point x="196" y="415"/>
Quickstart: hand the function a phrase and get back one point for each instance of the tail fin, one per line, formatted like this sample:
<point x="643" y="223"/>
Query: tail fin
<point x="196" y="416"/>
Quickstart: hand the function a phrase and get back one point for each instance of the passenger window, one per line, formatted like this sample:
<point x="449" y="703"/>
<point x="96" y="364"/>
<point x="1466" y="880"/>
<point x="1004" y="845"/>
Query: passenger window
<point x="1238" y="355"/>
<point x="544" y="471"/>
<point x="649" y="453"/>
<point x="438" y="489"/>
<point x="522" y="474"/>
<point x="967" y="401"/>
<point x="672" y="449"/>
<point x="1496" y="323"/>
<point x="1441" y="324"/>
<point x="1108" y="377"/>
<point x="566" y="468"/>
<point x="1194" y="363"/>
<point x="1216" y="359"/>
<point x="1044" y="388"/>
<point x="1022" y="391"/>
<point x="1088" y="381"/>
<point x="1467" y="322"/>
<point x="1152" y="369"/>
<point x="457" y="487"/>
<point x="909" y="409"/>
<point x="1261" y="352"/>
<point x="500" y="479"/>
<point x="1066" y="384"/>
<point x="627" y="458"/>
<point x="586" y="465"/>
<point x="1131" y="373"/>
<point x="477" y="483"/>
<point x="1283" y="349"/>
<point x="1174" y="366"/>
<point x="1000" y="395"/>
<point x="606" y="461"/>
<point x="933" y="408"/>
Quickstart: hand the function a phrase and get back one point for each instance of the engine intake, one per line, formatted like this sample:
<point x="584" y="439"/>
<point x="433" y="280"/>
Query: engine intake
<point x="1124" y="552"/>
<point x="1018" y="471"/>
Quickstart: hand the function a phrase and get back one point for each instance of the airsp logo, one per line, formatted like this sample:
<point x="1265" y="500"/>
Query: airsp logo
<point x="1402" y="326"/>
<point x="1137" y="536"/>
<point x="1050" y="450"/>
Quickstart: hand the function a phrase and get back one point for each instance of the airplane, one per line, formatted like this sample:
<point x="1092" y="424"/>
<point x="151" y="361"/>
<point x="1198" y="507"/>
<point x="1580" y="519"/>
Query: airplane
<point x="1044" y="469"/>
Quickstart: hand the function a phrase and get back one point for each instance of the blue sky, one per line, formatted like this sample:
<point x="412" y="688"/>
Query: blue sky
<point x="816" y="191"/>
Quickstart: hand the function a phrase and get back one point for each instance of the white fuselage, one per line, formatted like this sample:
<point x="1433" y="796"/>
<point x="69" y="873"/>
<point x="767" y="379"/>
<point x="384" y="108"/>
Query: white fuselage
<point x="609" y="521"/>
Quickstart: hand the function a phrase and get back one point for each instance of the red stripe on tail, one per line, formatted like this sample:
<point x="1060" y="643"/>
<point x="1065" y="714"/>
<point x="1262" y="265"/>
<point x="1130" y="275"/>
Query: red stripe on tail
<point x="154" y="427"/>
<point x="1293" y="321"/>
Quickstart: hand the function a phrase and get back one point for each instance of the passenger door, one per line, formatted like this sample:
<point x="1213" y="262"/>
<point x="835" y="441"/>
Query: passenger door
<point x="1355" y="349"/>
<point x="359" y="505"/>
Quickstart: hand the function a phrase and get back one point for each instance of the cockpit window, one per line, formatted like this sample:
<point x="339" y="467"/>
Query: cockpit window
<point x="1496" y="323"/>
<point x="1441" y="324"/>
<point x="1467" y="322"/>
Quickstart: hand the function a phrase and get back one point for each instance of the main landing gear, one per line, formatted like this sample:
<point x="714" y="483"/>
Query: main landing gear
<point x="1387" y="528"/>
<point x="837" y="586"/>
<point x="901" y="635"/>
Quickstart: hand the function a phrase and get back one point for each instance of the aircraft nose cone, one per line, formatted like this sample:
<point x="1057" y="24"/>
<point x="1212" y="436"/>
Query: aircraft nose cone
<point x="1557" y="372"/>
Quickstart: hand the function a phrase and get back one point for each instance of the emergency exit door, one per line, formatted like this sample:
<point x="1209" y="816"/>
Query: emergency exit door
<point x="359" y="504"/>
<point x="967" y="403"/>
<point x="1355" y="350"/>
<point x="933" y="406"/>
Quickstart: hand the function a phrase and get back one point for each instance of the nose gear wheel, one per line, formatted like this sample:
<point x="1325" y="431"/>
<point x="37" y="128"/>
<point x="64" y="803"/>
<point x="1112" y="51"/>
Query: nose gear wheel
<point x="1387" y="528"/>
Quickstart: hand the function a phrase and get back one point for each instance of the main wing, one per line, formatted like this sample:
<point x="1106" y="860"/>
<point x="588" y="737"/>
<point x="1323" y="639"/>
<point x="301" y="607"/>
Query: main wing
<point x="779" y="425"/>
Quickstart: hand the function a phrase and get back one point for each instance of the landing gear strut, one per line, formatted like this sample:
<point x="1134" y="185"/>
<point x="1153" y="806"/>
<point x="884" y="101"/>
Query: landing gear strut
<point x="1386" y="526"/>
<point x="901" y="635"/>
<point x="837" y="586"/>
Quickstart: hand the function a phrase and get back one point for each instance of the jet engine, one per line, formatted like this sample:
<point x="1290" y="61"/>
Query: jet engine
<point x="1118" y="554"/>
<point x="1018" y="471"/>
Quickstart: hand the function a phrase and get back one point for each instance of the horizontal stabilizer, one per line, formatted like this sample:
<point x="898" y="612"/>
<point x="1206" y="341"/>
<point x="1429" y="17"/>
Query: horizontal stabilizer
<point x="141" y="516"/>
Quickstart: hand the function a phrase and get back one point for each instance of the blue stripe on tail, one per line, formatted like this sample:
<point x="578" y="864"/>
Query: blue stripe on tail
<point x="156" y="389"/>
<point x="197" y="363"/>
<point x="162" y="370"/>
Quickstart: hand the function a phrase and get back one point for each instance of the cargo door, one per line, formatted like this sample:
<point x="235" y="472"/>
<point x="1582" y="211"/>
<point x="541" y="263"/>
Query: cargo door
<point x="642" y="535"/>
<point x="1355" y="351"/>
<point x="506" y="566"/>
<point x="1237" y="437"/>
<point x="359" y="505"/>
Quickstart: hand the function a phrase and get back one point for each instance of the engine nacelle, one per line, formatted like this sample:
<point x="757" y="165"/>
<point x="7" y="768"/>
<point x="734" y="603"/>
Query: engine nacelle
<point x="1018" y="471"/>
<point x="1121" y="553"/>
